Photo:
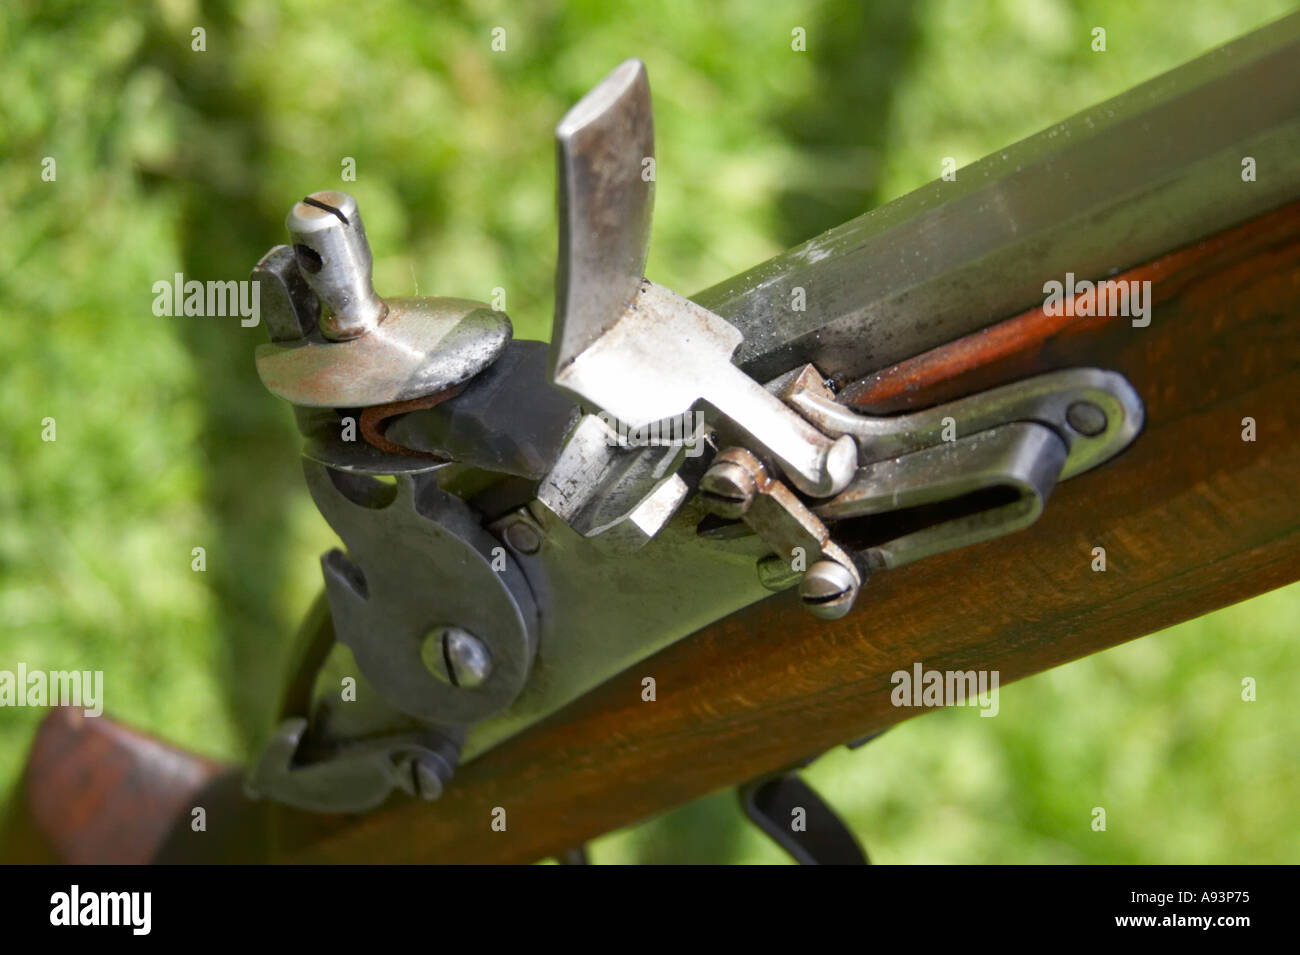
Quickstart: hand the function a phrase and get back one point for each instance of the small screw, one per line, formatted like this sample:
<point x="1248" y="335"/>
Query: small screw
<point x="828" y="590"/>
<point x="428" y="784"/>
<point x="728" y="489"/>
<point x="1086" y="418"/>
<point x="420" y="775"/>
<point x="457" y="657"/>
<point x="523" y="537"/>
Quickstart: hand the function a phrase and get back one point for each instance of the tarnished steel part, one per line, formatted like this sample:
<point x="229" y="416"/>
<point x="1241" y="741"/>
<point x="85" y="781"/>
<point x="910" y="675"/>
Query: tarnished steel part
<point x="356" y="776"/>
<point x="635" y="349"/>
<point x="786" y="524"/>
<point x="651" y="361"/>
<point x="456" y="656"/>
<point x="859" y="277"/>
<point x="332" y="718"/>
<point x="1018" y="439"/>
<point x="418" y="558"/>
<point x="425" y="345"/>
<point x="728" y="487"/>
<point x="337" y="725"/>
<point x="606" y="196"/>
<point x="509" y="419"/>
<point x="376" y="420"/>
<point x="1118" y="184"/>
<point x="1046" y="399"/>
<point x="363" y="351"/>
<point x="289" y="308"/>
<point x="329" y="244"/>
<point x="829" y="588"/>
<point x="1022" y="459"/>
<point x="520" y="531"/>
<point x="647" y="518"/>
<point x="665" y="353"/>
<point x="675" y="584"/>
<point x="597" y="486"/>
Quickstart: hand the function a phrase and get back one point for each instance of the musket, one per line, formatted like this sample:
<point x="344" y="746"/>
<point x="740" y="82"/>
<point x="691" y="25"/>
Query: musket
<point x="690" y="543"/>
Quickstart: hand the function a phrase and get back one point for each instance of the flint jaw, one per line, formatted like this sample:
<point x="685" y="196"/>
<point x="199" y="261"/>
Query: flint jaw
<point x="606" y="197"/>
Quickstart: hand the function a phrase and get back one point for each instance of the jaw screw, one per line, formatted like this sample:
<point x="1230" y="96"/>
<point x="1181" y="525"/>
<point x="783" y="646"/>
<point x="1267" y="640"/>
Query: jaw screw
<point x="329" y="244"/>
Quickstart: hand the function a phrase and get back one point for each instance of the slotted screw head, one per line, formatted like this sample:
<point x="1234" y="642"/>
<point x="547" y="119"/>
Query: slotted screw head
<point x="728" y="489"/>
<point x="423" y="775"/>
<point x="428" y="779"/>
<point x="828" y="590"/>
<point x="457" y="657"/>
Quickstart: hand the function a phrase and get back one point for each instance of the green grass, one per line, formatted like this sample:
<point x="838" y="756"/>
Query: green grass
<point x="174" y="160"/>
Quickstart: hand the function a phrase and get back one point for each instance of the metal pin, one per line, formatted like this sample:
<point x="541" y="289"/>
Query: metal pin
<point x="456" y="656"/>
<point x="329" y="242"/>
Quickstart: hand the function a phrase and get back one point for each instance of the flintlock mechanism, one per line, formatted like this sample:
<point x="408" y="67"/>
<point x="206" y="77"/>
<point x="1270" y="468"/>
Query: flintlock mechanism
<point x="514" y="515"/>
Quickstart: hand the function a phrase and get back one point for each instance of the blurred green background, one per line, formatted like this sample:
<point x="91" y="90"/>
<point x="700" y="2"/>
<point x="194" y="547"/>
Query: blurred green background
<point x="174" y="160"/>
